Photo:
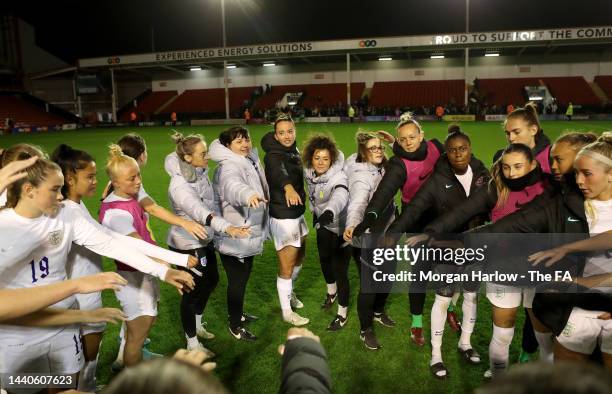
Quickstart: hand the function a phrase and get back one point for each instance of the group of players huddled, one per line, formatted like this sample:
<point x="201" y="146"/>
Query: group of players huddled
<point x="51" y="248"/>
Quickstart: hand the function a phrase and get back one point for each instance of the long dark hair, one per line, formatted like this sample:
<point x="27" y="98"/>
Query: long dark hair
<point x="70" y="161"/>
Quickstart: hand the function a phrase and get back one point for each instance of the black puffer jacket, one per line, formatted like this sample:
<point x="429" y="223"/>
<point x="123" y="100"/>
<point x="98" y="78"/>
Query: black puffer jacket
<point x="563" y="213"/>
<point x="481" y="202"/>
<point x="304" y="368"/>
<point x="283" y="166"/>
<point x="395" y="175"/>
<point x="439" y="195"/>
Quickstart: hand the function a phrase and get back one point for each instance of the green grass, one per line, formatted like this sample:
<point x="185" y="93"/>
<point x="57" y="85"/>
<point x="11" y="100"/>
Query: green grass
<point x="255" y="367"/>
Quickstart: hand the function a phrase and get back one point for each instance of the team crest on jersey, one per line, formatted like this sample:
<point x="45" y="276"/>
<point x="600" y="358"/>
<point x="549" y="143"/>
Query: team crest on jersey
<point x="568" y="330"/>
<point x="55" y="237"/>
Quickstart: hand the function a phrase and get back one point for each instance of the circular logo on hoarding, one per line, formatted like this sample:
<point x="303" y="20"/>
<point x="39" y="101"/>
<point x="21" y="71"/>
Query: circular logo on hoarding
<point x="367" y="43"/>
<point x="114" y="60"/>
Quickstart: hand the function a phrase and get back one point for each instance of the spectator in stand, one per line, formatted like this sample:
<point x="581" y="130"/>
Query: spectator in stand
<point x="133" y="118"/>
<point x="247" y="116"/>
<point x="509" y="108"/>
<point x="439" y="112"/>
<point x="173" y="118"/>
<point x="570" y="111"/>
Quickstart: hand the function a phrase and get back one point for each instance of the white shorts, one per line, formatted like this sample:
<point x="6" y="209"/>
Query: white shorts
<point x="288" y="232"/>
<point x="61" y="354"/>
<point x="504" y="296"/>
<point x="140" y="296"/>
<point x="89" y="302"/>
<point x="584" y="331"/>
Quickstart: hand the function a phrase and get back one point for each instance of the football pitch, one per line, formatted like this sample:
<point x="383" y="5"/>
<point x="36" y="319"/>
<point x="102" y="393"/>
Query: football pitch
<point x="248" y="367"/>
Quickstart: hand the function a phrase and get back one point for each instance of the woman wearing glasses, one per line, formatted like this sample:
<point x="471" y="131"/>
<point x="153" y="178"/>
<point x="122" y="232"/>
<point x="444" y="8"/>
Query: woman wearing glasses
<point x="365" y="169"/>
<point x="456" y="175"/>
<point x="192" y="198"/>
<point x="407" y="171"/>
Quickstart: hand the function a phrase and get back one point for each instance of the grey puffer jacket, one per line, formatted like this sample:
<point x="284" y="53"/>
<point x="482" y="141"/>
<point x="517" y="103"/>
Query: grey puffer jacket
<point x="363" y="179"/>
<point x="191" y="197"/>
<point x="236" y="179"/>
<point x="329" y="192"/>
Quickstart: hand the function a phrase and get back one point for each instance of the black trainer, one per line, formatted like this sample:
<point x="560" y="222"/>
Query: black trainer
<point x="329" y="301"/>
<point x="384" y="319"/>
<point x="248" y="318"/>
<point x="337" y="323"/>
<point x="369" y="339"/>
<point x="243" y="334"/>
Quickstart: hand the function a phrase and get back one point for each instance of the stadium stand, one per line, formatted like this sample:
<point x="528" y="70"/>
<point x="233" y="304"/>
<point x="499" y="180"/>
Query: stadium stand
<point x="605" y="83"/>
<point x="416" y="93"/>
<point x="505" y="91"/>
<point x="315" y="95"/>
<point x="574" y="89"/>
<point x="25" y="113"/>
<point x="149" y="104"/>
<point x="209" y="100"/>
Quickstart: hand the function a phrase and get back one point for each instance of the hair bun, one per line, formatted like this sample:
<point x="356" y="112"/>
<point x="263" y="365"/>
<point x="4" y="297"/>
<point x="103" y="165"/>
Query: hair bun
<point x="606" y="137"/>
<point x="454" y="128"/>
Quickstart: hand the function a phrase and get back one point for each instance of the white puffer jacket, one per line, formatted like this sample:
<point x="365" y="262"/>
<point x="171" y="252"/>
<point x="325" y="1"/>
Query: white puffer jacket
<point x="191" y="197"/>
<point x="329" y="192"/>
<point x="236" y="179"/>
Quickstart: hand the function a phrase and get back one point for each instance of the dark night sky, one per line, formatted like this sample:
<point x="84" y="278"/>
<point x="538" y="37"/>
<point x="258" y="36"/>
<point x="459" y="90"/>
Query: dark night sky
<point x="73" y="29"/>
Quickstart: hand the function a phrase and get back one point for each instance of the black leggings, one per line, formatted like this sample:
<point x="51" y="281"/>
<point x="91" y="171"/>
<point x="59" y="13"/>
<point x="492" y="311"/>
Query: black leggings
<point x="529" y="342"/>
<point x="334" y="262"/>
<point x="194" y="302"/>
<point x="238" y="272"/>
<point x="418" y="288"/>
<point x="372" y="297"/>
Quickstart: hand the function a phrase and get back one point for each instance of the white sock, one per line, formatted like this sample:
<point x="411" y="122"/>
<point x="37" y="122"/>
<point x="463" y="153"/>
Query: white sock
<point x="455" y="298"/>
<point x="191" y="342"/>
<point x="122" y="344"/>
<point x="284" y="287"/>
<point x="470" y="310"/>
<point x="295" y="273"/>
<point x="499" y="348"/>
<point x="87" y="377"/>
<point x="342" y="310"/>
<point x="332" y="288"/>
<point x="198" y="319"/>
<point x="438" y="320"/>
<point x="545" y="341"/>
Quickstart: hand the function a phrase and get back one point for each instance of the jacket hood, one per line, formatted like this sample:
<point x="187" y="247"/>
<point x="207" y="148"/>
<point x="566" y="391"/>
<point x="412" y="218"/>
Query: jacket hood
<point x="270" y="144"/>
<point x="352" y="166"/>
<point x="220" y="153"/>
<point x="177" y="167"/>
<point x="333" y="170"/>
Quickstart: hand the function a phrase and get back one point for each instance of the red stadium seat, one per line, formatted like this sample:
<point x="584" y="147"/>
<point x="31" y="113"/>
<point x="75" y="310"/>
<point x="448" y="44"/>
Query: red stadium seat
<point x="416" y="93"/>
<point x="25" y="113"/>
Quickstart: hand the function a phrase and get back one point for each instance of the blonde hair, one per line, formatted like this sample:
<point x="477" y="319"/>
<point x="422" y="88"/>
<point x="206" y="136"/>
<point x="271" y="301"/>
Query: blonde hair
<point x="600" y="151"/>
<point x="362" y="138"/>
<point x="37" y="173"/>
<point x="117" y="158"/>
<point x="408" y="118"/>
<point x="20" y="152"/>
<point x="186" y="145"/>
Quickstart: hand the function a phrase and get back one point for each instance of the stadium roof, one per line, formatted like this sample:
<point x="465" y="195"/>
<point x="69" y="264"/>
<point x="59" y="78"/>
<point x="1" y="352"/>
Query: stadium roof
<point x="73" y="29"/>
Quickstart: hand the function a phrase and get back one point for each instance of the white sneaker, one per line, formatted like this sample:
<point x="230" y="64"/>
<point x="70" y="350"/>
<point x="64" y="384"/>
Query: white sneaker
<point x="296" y="319"/>
<point x="203" y="333"/>
<point x="201" y="348"/>
<point x="295" y="302"/>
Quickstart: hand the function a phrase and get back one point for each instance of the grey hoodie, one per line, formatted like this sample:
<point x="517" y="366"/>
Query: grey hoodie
<point x="329" y="192"/>
<point x="236" y="179"/>
<point x="191" y="197"/>
<point x="363" y="178"/>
